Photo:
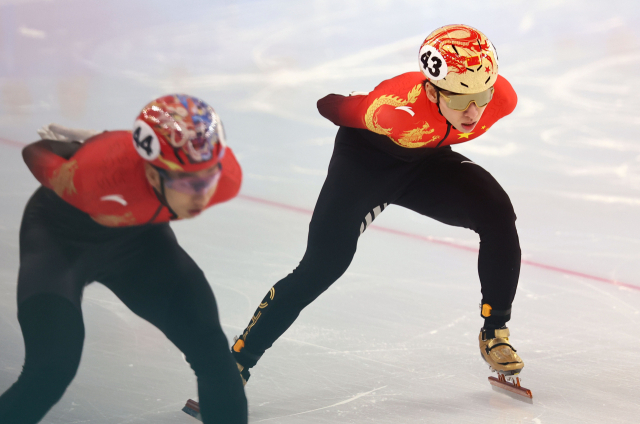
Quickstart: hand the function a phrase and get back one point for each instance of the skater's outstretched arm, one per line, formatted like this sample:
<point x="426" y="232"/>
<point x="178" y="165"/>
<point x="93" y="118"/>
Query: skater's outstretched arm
<point x="64" y="149"/>
<point x="350" y="111"/>
<point x="44" y="156"/>
<point x="343" y="110"/>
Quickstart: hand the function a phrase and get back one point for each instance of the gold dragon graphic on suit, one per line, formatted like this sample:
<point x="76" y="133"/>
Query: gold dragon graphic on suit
<point x="411" y="138"/>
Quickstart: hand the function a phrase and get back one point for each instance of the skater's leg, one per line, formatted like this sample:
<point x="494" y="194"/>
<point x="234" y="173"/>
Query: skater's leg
<point x="53" y="336"/>
<point x="159" y="282"/>
<point x="358" y="184"/>
<point x="327" y="257"/>
<point x="456" y="191"/>
<point x="50" y="286"/>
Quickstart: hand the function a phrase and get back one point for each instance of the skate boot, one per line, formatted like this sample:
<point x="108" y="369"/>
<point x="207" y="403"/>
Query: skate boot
<point x="244" y="374"/>
<point x="193" y="408"/>
<point x="498" y="352"/>
<point x="503" y="359"/>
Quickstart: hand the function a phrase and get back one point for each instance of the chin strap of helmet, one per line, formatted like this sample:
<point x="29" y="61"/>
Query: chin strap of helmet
<point x="163" y="198"/>
<point x="449" y="125"/>
<point x="438" y="101"/>
<point x="437" y="96"/>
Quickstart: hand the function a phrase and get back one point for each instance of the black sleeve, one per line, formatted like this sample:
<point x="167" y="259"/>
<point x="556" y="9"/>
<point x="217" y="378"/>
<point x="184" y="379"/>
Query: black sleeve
<point x="64" y="149"/>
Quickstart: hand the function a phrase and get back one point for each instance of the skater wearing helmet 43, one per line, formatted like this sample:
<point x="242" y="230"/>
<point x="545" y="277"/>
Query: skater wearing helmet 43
<point x="102" y="214"/>
<point x="393" y="147"/>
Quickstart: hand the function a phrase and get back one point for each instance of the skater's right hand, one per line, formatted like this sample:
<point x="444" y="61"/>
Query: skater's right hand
<point x="60" y="133"/>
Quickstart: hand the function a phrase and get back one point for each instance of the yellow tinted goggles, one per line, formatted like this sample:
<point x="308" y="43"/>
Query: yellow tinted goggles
<point x="462" y="102"/>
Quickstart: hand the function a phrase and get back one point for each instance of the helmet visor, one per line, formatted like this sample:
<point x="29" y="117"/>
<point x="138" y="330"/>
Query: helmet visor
<point x="462" y="102"/>
<point x="192" y="184"/>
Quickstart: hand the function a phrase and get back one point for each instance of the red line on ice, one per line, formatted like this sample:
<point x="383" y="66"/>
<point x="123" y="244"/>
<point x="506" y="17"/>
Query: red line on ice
<point x="414" y="236"/>
<point x="11" y="142"/>
<point x="276" y="204"/>
<point x="450" y="244"/>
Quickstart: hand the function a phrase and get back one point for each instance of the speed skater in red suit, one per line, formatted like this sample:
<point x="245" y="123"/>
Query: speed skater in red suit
<point x="102" y="214"/>
<point x="394" y="147"/>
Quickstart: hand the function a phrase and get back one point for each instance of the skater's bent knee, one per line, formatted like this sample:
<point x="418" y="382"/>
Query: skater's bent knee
<point x="204" y="347"/>
<point x="53" y="371"/>
<point x="316" y="273"/>
<point x="495" y="213"/>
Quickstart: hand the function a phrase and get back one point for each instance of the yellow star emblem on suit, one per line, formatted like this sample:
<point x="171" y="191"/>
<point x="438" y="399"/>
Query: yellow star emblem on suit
<point x="484" y="126"/>
<point x="464" y="135"/>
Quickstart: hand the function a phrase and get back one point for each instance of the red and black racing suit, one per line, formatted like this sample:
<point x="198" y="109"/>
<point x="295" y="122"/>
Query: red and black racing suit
<point x="96" y="218"/>
<point x="393" y="148"/>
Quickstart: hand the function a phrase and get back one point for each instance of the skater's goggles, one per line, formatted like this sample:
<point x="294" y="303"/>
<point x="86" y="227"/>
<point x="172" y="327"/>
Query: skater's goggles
<point x="461" y="102"/>
<point x="192" y="184"/>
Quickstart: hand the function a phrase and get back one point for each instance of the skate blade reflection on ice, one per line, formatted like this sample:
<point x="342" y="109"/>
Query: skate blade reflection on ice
<point x="510" y="385"/>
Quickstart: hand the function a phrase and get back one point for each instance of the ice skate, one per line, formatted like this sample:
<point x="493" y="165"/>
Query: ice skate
<point x="498" y="352"/>
<point x="192" y="408"/>
<point x="244" y="374"/>
<point x="502" y="359"/>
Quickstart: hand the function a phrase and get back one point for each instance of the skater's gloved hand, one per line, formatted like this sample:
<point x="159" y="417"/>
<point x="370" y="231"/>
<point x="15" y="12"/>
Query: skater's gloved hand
<point x="358" y="93"/>
<point x="60" y="133"/>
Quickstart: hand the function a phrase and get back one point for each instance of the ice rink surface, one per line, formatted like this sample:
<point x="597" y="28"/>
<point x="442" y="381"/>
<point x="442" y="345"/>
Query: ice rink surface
<point x="395" y="339"/>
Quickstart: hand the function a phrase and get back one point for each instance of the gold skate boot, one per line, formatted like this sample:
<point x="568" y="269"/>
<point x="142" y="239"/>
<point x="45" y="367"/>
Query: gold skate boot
<point x="503" y="359"/>
<point x="498" y="352"/>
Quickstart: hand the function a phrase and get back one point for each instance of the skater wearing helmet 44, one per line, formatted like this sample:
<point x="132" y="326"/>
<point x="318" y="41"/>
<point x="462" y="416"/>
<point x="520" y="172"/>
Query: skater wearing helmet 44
<point x="393" y="147"/>
<point x="102" y="214"/>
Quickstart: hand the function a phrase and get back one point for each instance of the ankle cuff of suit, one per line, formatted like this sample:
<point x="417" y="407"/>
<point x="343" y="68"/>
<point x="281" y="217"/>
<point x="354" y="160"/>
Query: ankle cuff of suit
<point x="494" y="317"/>
<point x="242" y="356"/>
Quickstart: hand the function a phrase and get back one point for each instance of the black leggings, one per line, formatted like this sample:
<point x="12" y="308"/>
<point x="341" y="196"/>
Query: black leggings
<point x="361" y="182"/>
<point x="61" y="250"/>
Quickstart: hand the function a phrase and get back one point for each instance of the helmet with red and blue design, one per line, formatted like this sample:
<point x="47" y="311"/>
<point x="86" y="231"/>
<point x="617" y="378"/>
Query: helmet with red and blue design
<point x="179" y="132"/>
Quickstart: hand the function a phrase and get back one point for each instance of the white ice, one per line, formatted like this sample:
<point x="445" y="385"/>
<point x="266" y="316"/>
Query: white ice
<point x="395" y="339"/>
